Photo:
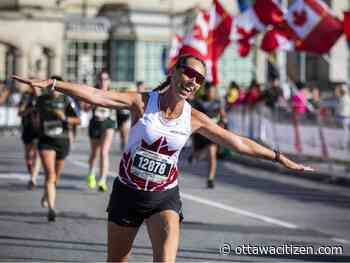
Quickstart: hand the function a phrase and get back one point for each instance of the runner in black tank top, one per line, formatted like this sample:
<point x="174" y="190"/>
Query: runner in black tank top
<point x="210" y="105"/>
<point x="30" y="132"/>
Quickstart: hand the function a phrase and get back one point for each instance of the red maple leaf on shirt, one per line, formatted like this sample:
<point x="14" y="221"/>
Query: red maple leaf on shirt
<point x="300" y="17"/>
<point x="160" y="145"/>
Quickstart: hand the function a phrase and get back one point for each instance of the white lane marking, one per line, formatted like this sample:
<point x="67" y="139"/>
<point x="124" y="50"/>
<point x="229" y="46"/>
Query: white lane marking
<point x="81" y="164"/>
<point x="340" y="240"/>
<point x="18" y="176"/>
<point x="232" y="209"/>
<point x="239" y="211"/>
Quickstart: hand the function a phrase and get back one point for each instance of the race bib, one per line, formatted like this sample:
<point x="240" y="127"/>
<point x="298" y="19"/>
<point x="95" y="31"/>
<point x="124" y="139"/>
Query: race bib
<point x="102" y="113"/>
<point x="151" y="166"/>
<point x="53" y="128"/>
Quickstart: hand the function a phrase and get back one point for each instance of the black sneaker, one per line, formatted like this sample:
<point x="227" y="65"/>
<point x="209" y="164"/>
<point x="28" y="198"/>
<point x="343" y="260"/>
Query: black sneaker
<point x="210" y="184"/>
<point x="31" y="185"/>
<point x="51" y="216"/>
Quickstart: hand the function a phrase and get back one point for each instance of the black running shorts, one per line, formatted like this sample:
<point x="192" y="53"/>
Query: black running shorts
<point x="130" y="207"/>
<point x="122" y="117"/>
<point x="97" y="128"/>
<point x="29" y="137"/>
<point x="60" y="145"/>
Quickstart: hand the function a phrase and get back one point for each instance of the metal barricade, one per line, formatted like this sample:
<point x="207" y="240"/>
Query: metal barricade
<point x="10" y="122"/>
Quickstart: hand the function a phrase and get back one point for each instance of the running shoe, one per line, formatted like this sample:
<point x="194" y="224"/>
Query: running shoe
<point x="51" y="215"/>
<point x="44" y="202"/>
<point x="210" y="184"/>
<point x="91" y="181"/>
<point x="31" y="185"/>
<point x="102" y="186"/>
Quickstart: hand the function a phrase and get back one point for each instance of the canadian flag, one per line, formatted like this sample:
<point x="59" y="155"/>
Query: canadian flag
<point x="175" y="46"/>
<point x="196" y="41"/>
<point x="254" y="20"/>
<point x="220" y="22"/>
<point x="277" y="39"/>
<point x="309" y="25"/>
<point x="347" y="26"/>
<point x="209" y="37"/>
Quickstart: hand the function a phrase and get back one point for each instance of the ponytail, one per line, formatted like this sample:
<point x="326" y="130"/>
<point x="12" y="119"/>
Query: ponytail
<point x="162" y="87"/>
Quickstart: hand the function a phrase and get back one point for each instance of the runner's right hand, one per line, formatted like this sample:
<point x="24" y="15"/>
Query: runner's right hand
<point x="34" y="82"/>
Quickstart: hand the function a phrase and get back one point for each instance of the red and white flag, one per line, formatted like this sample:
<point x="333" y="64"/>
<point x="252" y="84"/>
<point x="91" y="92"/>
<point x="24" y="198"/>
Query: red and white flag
<point x="175" y="46"/>
<point x="209" y="37"/>
<point x="196" y="41"/>
<point x="254" y="20"/>
<point x="347" y="26"/>
<point x="220" y="22"/>
<point x="277" y="39"/>
<point x="309" y="25"/>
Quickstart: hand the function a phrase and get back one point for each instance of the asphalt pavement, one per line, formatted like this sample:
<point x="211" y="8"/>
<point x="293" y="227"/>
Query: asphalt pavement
<point x="254" y="206"/>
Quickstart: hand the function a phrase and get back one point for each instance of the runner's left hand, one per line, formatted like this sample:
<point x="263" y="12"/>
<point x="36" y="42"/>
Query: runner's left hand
<point x="293" y="165"/>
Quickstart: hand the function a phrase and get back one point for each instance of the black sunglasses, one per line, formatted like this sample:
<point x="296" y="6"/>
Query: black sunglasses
<point x="191" y="73"/>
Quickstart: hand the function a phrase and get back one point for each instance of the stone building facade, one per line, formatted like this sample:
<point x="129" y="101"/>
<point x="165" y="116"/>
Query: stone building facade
<point x="77" y="38"/>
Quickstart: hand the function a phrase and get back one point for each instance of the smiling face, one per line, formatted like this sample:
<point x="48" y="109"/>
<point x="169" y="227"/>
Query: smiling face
<point x="187" y="78"/>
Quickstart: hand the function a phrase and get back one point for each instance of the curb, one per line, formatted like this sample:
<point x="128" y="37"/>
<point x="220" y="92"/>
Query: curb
<point x="319" y="176"/>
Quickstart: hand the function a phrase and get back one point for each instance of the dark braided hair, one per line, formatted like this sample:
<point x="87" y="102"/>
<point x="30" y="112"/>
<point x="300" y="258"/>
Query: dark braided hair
<point x="182" y="60"/>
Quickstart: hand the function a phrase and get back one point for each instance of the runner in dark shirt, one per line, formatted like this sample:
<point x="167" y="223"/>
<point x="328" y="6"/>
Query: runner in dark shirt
<point x="213" y="108"/>
<point x="56" y="113"/>
<point x="30" y="132"/>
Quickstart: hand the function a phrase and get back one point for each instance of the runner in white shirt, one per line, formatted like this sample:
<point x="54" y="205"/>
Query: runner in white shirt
<point x="162" y="121"/>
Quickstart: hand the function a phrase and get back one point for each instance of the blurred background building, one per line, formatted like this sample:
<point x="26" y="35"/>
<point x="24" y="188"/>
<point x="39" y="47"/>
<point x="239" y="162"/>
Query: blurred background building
<point x="77" y="38"/>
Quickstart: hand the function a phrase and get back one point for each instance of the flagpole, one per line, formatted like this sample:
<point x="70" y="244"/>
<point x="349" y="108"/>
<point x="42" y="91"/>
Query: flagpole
<point x="302" y="66"/>
<point x="282" y="56"/>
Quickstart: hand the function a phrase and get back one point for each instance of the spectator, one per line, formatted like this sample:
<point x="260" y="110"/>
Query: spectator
<point x="140" y="86"/>
<point x="299" y="107"/>
<point x="251" y="101"/>
<point x="271" y="96"/>
<point x="4" y="92"/>
<point x="233" y="100"/>
<point x="342" y="111"/>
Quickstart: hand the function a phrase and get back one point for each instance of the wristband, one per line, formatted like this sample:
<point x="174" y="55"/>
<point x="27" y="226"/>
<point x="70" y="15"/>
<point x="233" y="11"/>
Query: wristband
<point x="52" y="88"/>
<point x="277" y="156"/>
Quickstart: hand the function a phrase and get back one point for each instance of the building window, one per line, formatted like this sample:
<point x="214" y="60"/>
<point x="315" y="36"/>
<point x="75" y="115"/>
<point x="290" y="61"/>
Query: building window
<point x="122" y="60"/>
<point x="84" y="60"/>
<point x="150" y="62"/>
<point x="233" y="67"/>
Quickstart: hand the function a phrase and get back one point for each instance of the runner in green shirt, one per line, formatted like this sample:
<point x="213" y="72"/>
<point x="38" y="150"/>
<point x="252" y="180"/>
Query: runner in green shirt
<point x="101" y="132"/>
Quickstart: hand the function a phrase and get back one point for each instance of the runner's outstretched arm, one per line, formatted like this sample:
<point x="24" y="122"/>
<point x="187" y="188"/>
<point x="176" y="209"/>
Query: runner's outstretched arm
<point x="110" y="99"/>
<point x="206" y="127"/>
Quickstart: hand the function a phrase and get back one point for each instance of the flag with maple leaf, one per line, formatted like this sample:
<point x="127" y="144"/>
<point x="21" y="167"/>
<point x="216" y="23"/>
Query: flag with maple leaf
<point x="346" y="25"/>
<point x="209" y="37"/>
<point x="309" y="26"/>
<point x="254" y="20"/>
<point x="175" y="46"/>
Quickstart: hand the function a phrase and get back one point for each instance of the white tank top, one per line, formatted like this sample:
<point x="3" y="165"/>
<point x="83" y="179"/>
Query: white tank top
<point x="150" y="160"/>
